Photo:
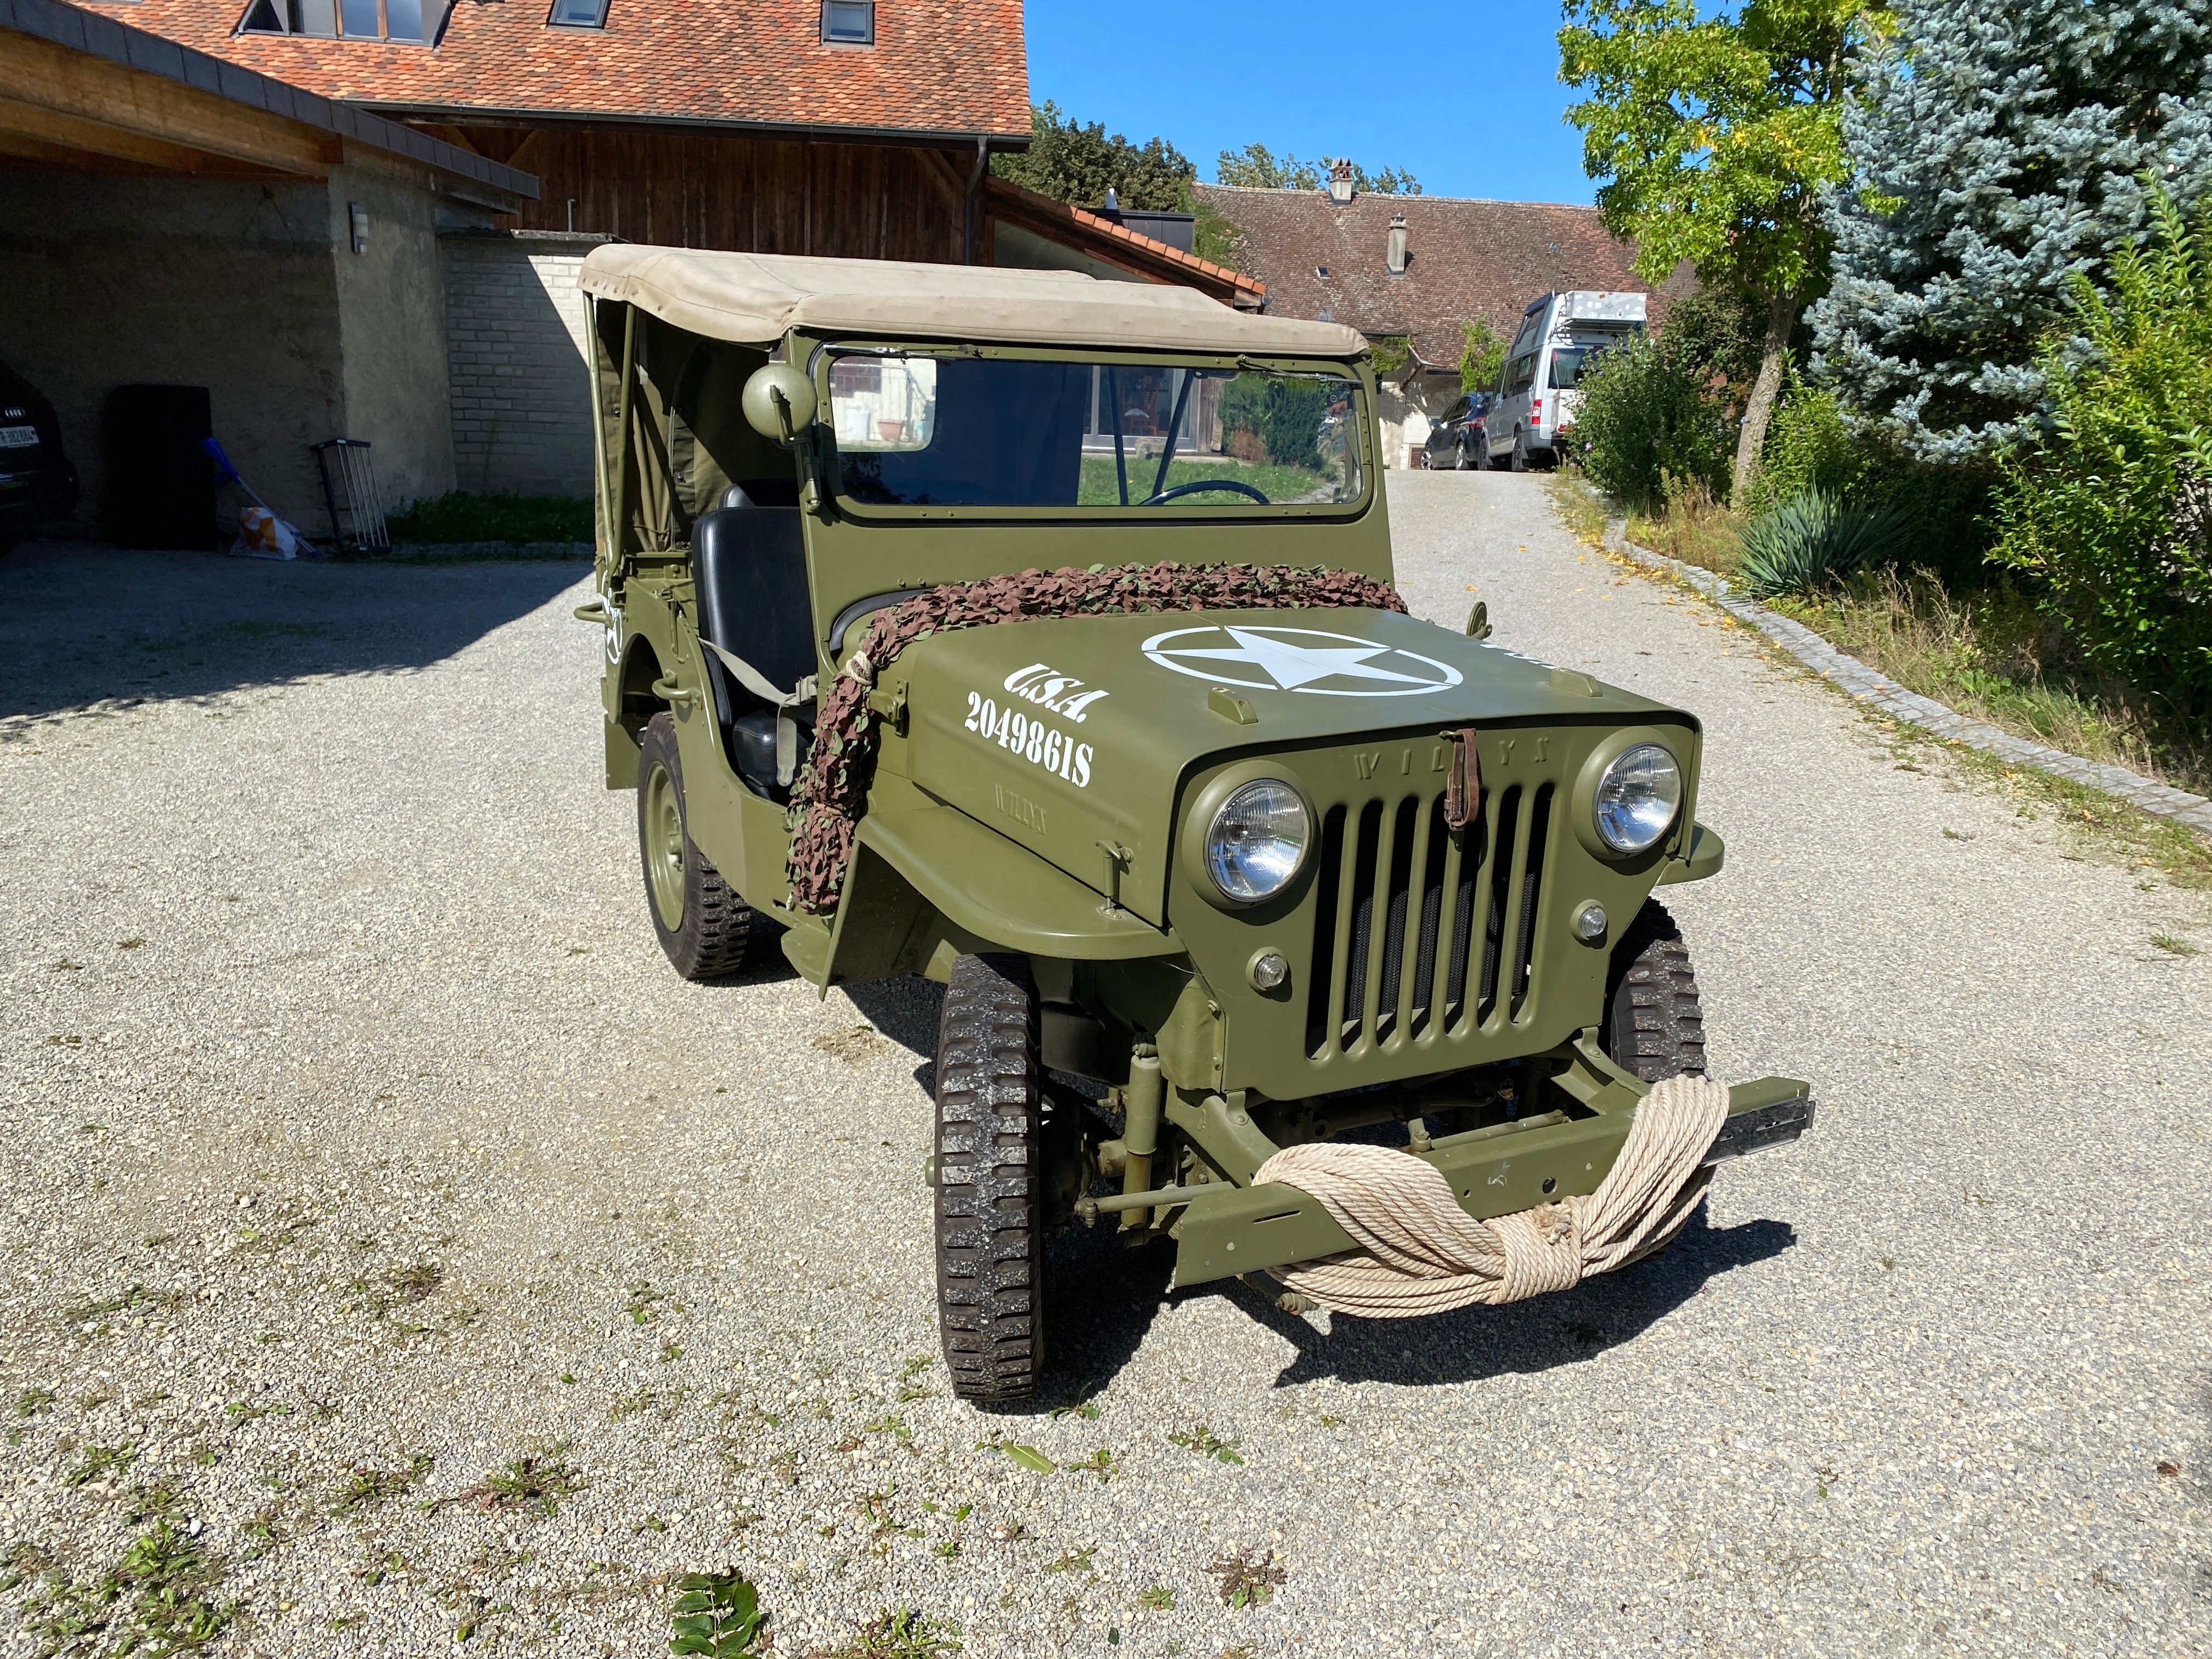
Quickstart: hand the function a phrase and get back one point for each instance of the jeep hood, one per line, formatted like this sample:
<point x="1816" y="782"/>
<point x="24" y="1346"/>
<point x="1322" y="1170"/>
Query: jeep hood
<point x="1073" y="736"/>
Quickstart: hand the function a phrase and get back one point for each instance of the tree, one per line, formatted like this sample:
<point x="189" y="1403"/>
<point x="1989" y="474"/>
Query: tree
<point x="1255" y="167"/>
<point x="1078" y="164"/>
<point x="1482" y="354"/>
<point x="1712" y="139"/>
<point x="1995" y="151"/>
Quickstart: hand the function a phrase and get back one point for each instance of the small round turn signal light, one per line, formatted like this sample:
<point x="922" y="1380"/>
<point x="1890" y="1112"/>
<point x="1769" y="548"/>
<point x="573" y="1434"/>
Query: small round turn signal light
<point x="1268" y="970"/>
<point x="1590" y="923"/>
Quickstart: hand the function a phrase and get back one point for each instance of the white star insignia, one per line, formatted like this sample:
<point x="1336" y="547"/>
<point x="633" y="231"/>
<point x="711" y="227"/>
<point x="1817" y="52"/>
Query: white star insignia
<point x="1293" y="666"/>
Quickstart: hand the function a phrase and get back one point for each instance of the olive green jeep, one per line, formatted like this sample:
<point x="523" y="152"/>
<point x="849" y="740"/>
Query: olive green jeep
<point x="1052" y="618"/>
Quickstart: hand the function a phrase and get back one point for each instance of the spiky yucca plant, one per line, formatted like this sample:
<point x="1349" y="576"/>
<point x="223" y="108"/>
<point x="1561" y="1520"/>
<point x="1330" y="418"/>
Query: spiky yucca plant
<point x="1812" y="539"/>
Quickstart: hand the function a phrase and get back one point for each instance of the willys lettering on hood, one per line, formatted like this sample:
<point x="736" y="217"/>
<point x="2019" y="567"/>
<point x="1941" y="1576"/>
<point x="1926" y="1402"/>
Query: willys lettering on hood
<point x="1072" y="735"/>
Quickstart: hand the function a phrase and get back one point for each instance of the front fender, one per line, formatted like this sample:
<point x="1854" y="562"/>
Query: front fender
<point x="923" y="873"/>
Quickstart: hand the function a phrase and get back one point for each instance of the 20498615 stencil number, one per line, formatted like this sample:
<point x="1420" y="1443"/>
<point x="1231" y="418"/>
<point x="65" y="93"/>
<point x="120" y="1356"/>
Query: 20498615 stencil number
<point x="1033" y="740"/>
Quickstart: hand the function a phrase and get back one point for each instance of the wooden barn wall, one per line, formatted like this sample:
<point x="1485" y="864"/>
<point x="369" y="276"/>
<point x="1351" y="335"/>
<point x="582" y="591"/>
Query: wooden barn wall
<point x="746" y="195"/>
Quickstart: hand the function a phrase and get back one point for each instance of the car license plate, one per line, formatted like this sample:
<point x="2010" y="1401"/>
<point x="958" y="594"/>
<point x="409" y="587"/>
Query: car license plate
<point x="19" y="437"/>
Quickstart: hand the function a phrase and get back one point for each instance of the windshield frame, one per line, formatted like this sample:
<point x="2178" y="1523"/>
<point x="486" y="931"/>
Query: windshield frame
<point x="821" y="457"/>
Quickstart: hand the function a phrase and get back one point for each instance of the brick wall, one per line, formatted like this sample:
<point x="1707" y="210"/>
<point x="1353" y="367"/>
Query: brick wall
<point x="514" y="345"/>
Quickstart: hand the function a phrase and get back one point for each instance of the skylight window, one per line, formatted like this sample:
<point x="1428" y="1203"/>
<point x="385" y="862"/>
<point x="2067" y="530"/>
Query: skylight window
<point x="342" y="20"/>
<point x="849" y="22"/>
<point x="578" y="15"/>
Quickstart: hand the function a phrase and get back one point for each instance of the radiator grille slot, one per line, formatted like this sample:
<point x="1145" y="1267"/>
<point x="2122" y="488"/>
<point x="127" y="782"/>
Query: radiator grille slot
<point x="1419" y="932"/>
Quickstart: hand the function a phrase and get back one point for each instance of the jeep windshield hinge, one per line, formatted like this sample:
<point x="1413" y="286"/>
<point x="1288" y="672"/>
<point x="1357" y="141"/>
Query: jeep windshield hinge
<point x="1117" y="861"/>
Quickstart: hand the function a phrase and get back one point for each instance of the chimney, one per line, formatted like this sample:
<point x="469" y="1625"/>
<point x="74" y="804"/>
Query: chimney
<point x="1339" y="182"/>
<point x="1395" y="258"/>
<point x="1113" y="199"/>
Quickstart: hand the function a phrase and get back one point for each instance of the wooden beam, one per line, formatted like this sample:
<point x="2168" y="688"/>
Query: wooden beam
<point x="20" y="152"/>
<point x="76" y="145"/>
<point x="90" y="103"/>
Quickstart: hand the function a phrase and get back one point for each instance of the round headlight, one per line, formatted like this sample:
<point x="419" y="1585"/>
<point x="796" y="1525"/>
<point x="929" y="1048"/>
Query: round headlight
<point x="1638" y="797"/>
<point x="1257" y="840"/>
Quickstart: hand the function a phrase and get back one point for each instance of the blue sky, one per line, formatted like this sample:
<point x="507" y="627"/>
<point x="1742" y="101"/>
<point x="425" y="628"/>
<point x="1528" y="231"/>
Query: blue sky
<point x="1466" y="96"/>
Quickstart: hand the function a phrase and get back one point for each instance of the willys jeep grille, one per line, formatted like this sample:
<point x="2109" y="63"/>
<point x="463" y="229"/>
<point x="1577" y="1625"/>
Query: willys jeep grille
<point x="1420" y="930"/>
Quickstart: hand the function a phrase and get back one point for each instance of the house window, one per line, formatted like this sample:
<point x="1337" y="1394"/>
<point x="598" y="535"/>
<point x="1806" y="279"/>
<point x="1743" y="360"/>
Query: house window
<point x="578" y="15"/>
<point x="849" y="22"/>
<point x="348" y="20"/>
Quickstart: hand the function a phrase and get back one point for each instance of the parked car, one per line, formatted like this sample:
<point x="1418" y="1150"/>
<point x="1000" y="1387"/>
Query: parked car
<point x="1455" y="437"/>
<point x="1561" y="336"/>
<point x="37" y="483"/>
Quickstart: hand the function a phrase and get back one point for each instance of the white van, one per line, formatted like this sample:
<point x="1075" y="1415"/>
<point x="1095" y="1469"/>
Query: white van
<point x="1536" y="396"/>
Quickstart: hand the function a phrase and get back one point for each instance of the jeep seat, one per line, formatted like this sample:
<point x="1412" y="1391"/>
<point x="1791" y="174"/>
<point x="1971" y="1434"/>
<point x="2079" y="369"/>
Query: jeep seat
<point x="749" y="566"/>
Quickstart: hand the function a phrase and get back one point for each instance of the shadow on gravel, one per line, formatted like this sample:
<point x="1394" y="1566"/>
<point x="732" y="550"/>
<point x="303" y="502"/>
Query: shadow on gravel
<point x="1535" y="1335"/>
<point x="86" y="623"/>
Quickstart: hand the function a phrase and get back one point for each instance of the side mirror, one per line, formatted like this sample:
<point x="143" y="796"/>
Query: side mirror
<point x="1478" y="620"/>
<point x="779" y="401"/>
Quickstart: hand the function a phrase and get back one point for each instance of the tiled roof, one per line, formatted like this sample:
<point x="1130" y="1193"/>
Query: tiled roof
<point x="939" y="67"/>
<point x="115" y="41"/>
<point x="1468" y="259"/>
<point x="1078" y="226"/>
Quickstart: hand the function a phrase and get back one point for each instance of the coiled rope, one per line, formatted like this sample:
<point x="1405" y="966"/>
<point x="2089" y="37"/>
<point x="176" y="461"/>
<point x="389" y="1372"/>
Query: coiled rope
<point x="1420" y="1253"/>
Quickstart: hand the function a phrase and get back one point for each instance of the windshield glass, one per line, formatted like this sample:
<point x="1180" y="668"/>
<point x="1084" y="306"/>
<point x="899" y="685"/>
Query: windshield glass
<point x="921" y="430"/>
<point x="1569" y="363"/>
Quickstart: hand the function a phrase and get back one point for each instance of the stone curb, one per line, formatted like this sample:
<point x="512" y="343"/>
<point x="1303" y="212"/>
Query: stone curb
<point x="1866" y="685"/>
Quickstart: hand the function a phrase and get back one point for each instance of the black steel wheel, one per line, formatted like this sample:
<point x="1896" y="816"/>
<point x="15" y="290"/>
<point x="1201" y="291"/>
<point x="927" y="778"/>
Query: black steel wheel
<point x="1654" y="1024"/>
<point x="990" y="1180"/>
<point x="1520" y="452"/>
<point x="1482" y="461"/>
<point x="703" y="926"/>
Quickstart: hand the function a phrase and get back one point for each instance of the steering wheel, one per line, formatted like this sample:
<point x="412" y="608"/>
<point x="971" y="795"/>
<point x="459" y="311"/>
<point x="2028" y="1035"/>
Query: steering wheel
<point x="1197" y="484"/>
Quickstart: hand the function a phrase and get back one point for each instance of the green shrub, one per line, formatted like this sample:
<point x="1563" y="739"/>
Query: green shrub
<point x="461" y="516"/>
<point x="1646" y="417"/>
<point x="1285" y="414"/>
<point x="1812" y="445"/>
<point x="2113" y="515"/>
<point x="1813" y="539"/>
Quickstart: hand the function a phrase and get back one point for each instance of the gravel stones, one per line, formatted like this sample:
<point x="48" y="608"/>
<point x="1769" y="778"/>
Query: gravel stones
<point x="1903" y="1387"/>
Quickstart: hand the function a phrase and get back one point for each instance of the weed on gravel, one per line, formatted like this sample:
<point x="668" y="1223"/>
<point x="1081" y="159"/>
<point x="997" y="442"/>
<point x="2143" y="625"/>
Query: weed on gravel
<point x="537" y="1482"/>
<point x="158" y="1598"/>
<point x="1206" y="1443"/>
<point x="904" y="1634"/>
<point x="1247" y="1578"/>
<point x="364" y="1486"/>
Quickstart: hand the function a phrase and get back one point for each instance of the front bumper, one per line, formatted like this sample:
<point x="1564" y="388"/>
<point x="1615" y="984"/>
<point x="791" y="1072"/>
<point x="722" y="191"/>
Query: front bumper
<point x="1224" y="1231"/>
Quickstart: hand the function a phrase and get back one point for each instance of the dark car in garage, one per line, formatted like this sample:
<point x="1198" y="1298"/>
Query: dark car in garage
<point x="1455" y="441"/>
<point x="37" y="483"/>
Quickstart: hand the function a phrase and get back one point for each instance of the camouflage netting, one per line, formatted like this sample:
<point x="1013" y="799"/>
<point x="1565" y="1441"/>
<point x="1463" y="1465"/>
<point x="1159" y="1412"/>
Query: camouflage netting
<point x="831" y="792"/>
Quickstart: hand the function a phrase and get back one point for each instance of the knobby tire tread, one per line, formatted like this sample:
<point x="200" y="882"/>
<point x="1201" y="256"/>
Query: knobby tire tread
<point x="1654" y="1021"/>
<point x="990" y="1233"/>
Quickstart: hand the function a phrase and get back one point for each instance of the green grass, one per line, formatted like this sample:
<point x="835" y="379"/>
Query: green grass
<point x="1099" y="487"/>
<point x="462" y="516"/>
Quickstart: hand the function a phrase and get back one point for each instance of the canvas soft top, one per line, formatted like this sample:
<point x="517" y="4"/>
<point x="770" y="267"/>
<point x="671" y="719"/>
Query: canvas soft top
<point x="756" y="297"/>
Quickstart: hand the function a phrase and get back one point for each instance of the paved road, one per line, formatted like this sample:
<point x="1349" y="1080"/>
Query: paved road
<point x="351" y="1119"/>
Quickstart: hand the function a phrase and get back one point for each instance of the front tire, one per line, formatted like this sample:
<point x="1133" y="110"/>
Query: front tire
<point x="990" y="1180"/>
<point x="1655" y="1025"/>
<point x="704" y="927"/>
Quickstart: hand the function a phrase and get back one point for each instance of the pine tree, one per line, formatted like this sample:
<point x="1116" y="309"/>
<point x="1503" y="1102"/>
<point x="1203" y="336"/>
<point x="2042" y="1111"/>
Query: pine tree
<point x="1997" y="151"/>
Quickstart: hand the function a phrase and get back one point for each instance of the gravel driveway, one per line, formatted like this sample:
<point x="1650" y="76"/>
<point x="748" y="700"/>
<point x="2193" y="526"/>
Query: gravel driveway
<point x="394" y="1248"/>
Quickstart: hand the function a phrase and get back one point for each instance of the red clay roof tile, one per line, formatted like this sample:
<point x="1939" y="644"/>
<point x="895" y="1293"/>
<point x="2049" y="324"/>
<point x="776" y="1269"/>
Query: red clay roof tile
<point x="1469" y="259"/>
<point x="938" y="66"/>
